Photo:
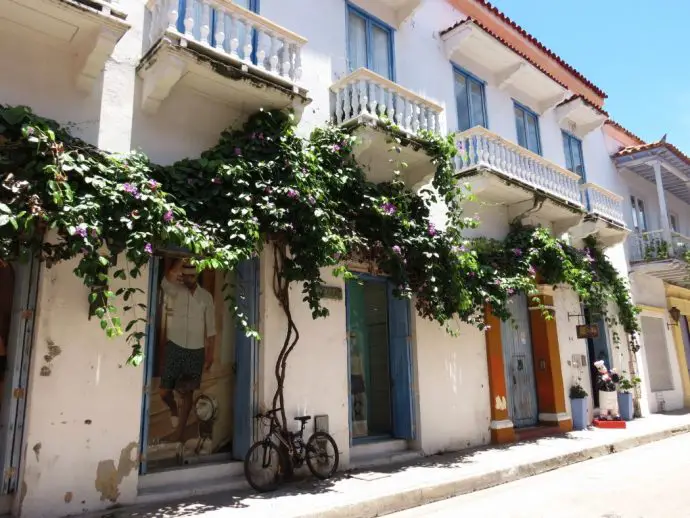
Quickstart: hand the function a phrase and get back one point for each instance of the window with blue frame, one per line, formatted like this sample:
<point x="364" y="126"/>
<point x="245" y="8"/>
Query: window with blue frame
<point x="574" y="160"/>
<point x="369" y="43"/>
<point x="527" y="123"/>
<point x="470" y="101"/>
<point x="219" y="20"/>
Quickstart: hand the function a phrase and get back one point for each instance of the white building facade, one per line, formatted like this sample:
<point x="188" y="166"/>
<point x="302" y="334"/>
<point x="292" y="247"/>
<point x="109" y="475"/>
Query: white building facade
<point x="82" y="431"/>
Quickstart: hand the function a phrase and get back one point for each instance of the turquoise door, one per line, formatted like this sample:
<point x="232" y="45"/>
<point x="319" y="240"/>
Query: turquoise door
<point x="519" y="365"/>
<point x="378" y="330"/>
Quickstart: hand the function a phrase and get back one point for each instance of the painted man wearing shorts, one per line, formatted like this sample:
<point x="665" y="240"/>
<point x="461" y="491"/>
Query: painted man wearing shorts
<point x="190" y="329"/>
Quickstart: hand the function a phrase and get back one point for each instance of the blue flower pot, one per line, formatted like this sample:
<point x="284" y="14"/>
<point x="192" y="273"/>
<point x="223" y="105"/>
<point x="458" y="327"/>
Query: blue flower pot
<point x="578" y="409"/>
<point x="625" y="405"/>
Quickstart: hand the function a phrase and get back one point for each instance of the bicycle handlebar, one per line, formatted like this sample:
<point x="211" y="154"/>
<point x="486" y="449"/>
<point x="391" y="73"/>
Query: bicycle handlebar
<point x="268" y="413"/>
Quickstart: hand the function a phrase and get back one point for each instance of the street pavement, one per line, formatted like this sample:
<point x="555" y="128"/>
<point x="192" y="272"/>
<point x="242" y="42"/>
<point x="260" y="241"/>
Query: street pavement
<point x="646" y="482"/>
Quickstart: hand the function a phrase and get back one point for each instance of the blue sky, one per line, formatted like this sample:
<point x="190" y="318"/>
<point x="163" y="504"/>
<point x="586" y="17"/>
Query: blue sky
<point x="637" y="51"/>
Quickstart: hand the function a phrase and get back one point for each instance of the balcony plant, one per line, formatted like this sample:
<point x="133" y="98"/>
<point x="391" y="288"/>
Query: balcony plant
<point x="578" y="406"/>
<point x="625" y="396"/>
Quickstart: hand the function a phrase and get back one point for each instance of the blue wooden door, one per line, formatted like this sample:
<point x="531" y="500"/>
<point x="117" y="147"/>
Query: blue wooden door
<point x="401" y="366"/>
<point x="519" y="365"/>
<point x="153" y="300"/>
<point x="19" y="345"/>
<point x="246" y="357"/>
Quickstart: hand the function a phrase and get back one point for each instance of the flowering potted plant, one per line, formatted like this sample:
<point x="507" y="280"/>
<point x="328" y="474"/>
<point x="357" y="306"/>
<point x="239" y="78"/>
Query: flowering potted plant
<point x="625" y="399"/>
<point x="578" y="406"/>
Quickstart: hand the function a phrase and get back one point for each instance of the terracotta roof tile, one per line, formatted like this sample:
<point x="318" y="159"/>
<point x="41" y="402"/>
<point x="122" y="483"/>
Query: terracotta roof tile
<point x="630" y="150"/>
<point x="541" y="46"/>
<point x="479" y="24"/>
<point x="629" y="133"/>
<point x="586" y="101"/>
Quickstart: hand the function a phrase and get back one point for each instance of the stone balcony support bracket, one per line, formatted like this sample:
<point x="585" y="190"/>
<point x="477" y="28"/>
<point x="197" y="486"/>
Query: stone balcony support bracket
<point x="90" y="63"/>
<point x="159" y="80"/>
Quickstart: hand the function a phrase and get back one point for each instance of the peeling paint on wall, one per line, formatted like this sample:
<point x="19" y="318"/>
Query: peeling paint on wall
<point x="109" y="477"/>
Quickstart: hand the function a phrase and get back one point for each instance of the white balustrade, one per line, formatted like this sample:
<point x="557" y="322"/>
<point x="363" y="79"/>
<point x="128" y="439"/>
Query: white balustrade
<point x="604" y="203"/>
<point x="232" y="30"/>
<point x="653" y="246"/>
<point x="480" y="147"/>
<point x="365" y="93"/>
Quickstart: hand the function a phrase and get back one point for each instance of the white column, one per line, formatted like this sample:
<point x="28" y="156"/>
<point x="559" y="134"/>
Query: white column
<point x="662" y="201"/>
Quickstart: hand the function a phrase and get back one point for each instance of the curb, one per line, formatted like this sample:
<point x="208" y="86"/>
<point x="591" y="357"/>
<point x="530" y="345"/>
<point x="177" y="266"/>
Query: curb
<point x="426" y="495"/>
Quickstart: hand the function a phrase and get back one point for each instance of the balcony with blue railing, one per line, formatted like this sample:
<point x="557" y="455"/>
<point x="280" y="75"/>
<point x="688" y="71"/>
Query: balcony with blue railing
<point x="224" y="52"/>
<point x="604" y="217"/>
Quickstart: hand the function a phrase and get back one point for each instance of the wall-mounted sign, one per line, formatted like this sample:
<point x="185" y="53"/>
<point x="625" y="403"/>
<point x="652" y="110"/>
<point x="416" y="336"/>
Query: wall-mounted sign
<point x="588" y="331"/>
<point x="331" y="292"/>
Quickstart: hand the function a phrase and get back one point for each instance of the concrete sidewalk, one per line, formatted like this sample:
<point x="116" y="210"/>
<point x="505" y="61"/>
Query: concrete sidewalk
<point x="377" y="492"/>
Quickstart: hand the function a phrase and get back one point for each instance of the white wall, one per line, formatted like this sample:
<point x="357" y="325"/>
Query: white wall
<point x="672" y="399"/>
<point x="453" y="388"/>
<point x="84" y="406"/>
<point x="317" y="380"/>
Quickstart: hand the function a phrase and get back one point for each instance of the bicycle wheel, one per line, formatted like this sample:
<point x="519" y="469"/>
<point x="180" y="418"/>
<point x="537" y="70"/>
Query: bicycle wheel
<point x="322" y="455"/>
<point x="263" y="466"/>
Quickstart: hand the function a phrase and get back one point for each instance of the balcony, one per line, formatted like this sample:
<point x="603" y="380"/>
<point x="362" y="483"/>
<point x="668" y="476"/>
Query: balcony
<point x="605" y="216"/>
<point x="502" y="172"/>
<point x="660" y="254"/>
<point x="85" y="30"/>
<point x="365" y="102"/>
<point x="224" y="52"/>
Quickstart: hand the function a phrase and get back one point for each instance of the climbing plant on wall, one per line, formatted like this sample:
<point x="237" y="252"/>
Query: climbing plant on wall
<point x="532" y="254"/>
<point x="65" y="200"/>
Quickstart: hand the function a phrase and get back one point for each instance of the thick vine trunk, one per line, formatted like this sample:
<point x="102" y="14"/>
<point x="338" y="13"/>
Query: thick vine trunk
<point x="281" y="289"/>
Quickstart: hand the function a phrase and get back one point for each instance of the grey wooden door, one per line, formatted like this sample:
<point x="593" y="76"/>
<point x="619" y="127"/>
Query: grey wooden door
<point x="519" y="365"/>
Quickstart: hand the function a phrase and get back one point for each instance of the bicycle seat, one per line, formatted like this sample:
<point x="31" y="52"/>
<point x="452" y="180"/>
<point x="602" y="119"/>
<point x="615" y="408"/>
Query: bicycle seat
<point x="303" y="419"/>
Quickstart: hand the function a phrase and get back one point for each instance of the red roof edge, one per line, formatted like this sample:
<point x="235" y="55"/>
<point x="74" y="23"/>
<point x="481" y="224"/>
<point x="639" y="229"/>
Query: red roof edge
<point x="491" y="33"/>
<point x="629" y="133"/>
<point x="586" y="101"/>
<point x="500" y="15"/>
<point x="654" y="145"/>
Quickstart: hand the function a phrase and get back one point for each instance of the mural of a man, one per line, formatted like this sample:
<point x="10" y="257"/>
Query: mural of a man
<point x="190" y="329"/>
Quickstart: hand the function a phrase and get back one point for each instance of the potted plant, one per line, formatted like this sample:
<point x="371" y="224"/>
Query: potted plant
<point x="578" y="406"/>
<point x="625" y="398"/>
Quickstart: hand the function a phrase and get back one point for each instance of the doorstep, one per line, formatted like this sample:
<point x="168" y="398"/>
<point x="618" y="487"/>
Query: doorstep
<point x="536" y="432"/>
<point x="381" y="453"/>
<point x="375" y="492"/>
<point x="191" y="481"/>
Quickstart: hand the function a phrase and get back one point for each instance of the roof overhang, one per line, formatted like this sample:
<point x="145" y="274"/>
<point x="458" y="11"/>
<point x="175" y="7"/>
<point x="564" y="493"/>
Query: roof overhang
<point x="480" y="51"/>
<point x="674" y="167"/>
<point x="579" y="116"/>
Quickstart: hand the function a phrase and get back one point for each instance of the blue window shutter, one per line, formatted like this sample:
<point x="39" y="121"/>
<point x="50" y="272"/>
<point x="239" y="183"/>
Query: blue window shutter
<point x="153" y="302"/>
<point x="401" y="366"/>
<point x="246" y="356"/>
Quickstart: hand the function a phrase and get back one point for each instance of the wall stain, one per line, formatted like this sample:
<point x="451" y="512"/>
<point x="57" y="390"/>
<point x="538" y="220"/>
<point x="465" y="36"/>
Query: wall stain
<point x="68" y="497"/>
<point x="37" y="450"/>
<point x="109" y="477"/>
<point x="53" y="352"/>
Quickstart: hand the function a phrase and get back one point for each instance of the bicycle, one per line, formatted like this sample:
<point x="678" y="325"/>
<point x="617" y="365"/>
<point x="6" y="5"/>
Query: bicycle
<point x="269" y="453"/>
